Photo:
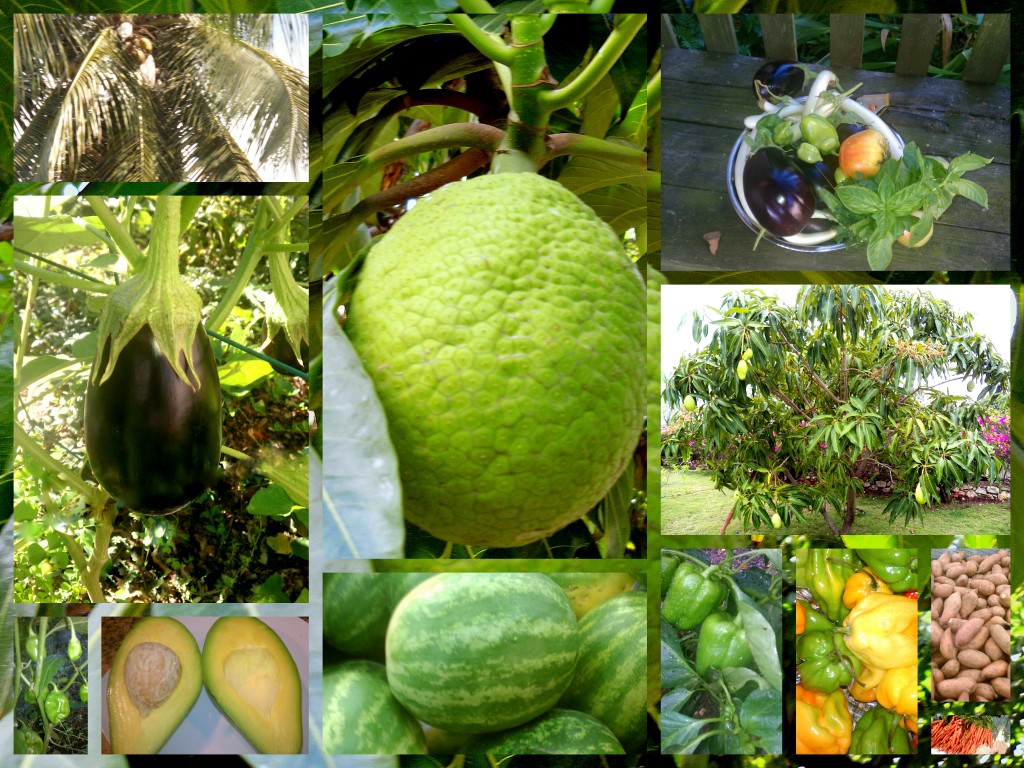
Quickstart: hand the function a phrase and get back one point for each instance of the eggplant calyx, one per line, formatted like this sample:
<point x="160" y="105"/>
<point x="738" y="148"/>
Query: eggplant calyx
<point x="288" y="310"/>
<point x="157" y="297"/>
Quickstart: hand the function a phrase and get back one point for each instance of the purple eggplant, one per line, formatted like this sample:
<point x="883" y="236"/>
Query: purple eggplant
<point x="777" y="79"/>
<point x="779" y="195"/>
<point x="846" y="130"/>
<point x="820" y="174"/>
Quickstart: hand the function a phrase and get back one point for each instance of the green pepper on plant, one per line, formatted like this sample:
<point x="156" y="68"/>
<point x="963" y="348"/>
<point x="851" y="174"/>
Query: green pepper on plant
<point x="722" y="644"/>
<point x="74" y="647"/>
<point x="692" y="596"/>
<point x="825" y="664"/>
<point x="56" y="705"/>
<point x="27" y="742"/>
<point x="83" y="693"/>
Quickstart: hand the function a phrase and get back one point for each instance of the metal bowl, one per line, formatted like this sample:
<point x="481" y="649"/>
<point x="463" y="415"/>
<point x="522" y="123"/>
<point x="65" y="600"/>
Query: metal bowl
<point x="741" y="151"/>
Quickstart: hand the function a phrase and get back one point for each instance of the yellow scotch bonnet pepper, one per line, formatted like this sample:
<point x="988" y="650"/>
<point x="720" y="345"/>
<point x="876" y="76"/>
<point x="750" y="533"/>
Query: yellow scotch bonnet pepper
<point x="883" y="631"/>
<point x="898" y="690"/>
<point x="864" y="688"/>
<point x="861" y="584"/>
<point x="823" y="723"/>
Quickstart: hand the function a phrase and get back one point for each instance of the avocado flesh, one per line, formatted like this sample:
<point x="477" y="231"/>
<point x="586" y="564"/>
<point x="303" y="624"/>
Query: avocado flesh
<point x="252" y="677"/>
<point x="150" y="692"/>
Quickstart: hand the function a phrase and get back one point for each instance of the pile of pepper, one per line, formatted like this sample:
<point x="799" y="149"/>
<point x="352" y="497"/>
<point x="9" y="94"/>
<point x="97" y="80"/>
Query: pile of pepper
<point x="857" y="645"/>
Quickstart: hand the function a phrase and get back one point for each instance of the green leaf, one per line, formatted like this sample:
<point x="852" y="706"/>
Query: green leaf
<point x="272" y="501"/>
<point x="969" y="189"/>
<point x="761" y="637"/>
<point x="966" y="162"/>
<point x="880" y="250"/>
<point x="761" y="716"/>
<point x="679" y="732"/>
<point x="908" y="199"/>
<point x="859" y="200"/>
<point x="271" y="591"/>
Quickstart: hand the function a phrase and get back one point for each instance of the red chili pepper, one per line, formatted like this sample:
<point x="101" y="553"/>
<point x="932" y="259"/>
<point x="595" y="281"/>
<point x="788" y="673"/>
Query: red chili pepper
<point x="911" y="593"/>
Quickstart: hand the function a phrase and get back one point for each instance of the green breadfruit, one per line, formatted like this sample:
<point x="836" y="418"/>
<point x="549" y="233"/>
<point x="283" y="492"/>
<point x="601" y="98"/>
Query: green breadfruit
<point x="504" y="328"/>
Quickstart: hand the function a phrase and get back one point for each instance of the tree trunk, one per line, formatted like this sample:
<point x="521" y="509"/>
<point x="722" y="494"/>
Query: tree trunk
<point x="851" y="510"/>
<point x="828" y="520"/>
<point x="728" y="519"/>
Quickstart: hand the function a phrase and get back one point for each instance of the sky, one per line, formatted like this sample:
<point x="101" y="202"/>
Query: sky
<point x="992" y="306"/>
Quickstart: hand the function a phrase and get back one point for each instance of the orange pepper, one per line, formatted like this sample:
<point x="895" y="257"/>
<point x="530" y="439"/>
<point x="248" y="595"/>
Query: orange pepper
<point x="898" y="690"/>
<point x="864" y="688"/>
<point x="801" y="617"/>
<point x="861" y="584"/>
<point x="823" y="723"/>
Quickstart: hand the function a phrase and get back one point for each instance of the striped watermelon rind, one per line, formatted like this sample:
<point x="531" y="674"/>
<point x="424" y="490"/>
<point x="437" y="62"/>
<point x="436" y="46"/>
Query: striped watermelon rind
<point x="356" y="613"/>
<point x="481" y="652"/>
<point x="556" y="732"/>
<point x="611" y="675"/>
<point x="362" y="717"/>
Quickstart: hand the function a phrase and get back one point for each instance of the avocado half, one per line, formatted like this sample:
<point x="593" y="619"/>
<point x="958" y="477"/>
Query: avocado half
<point x="252" y="677"/>
<point x="154" y="681"/>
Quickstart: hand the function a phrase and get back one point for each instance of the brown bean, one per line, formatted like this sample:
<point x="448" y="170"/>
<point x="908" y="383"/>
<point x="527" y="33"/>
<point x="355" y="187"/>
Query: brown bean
<point x="972" y="659"/>
<point x="1002" y="687"/>
<point x="967" y="632"/>
<point x="1001" y="636"/>
<point x="953" y="689"/>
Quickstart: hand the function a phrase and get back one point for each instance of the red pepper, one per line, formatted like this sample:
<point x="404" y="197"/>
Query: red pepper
<point x="911" y="593"/>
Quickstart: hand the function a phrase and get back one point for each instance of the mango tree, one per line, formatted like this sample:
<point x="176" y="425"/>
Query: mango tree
<point x="794" y="405"/>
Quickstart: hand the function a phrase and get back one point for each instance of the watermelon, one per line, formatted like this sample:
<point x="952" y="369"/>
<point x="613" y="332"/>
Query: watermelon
<point x="611" y="676"/>
<point x="481" y="652"/>
<point x="356" y="613"/>
<point x="556" y="732"/>
<point x="401" y="584"/>
<point x="361" y="716"/>
<point x="586" y="591"/>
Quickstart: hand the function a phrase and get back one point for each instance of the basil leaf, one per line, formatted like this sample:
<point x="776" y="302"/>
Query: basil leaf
<point x="966" y="162"/>
<point x="860" y="200"/>
<point x="972" y="191"/>
<point x="880" y="250"/>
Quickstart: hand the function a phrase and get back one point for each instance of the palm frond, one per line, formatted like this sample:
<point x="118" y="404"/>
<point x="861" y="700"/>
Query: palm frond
<point x="104" y="98"/>
<point x="263" y="101"/>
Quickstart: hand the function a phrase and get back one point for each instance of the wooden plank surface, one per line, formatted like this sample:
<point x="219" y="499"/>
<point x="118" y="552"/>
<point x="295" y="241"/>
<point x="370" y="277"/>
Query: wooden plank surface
<point x="708" y="95"/>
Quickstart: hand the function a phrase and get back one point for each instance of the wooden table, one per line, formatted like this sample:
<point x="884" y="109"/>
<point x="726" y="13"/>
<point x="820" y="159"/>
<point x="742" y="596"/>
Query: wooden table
<point x="706" y="97"/>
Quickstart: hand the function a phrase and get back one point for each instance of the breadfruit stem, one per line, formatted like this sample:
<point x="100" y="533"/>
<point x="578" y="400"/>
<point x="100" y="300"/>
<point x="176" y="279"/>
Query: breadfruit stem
<point x="627" y="26"/>
<point x="587" y="146"/>
<point x="528" y="118"/>
<point x="490" y="45"/>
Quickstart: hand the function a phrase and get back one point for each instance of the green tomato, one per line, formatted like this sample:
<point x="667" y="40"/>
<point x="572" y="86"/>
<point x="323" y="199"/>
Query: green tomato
<point x="30" y="696"/>
<point x="820" y="132"/>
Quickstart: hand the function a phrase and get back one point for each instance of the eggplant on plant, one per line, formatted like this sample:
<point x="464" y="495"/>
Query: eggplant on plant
<point x="153" y="403"/>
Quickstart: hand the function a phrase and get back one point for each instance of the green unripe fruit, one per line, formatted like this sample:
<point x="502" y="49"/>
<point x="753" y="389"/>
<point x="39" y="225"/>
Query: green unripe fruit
<point x="970" y="386"/>
<point x="505" y="330"/>
<point x="748" y="353"/>
<point x="689" y="403"/>
<point x="919" y="494"/>
<point x="741" y="370"/>
<point x="776" y="520"/>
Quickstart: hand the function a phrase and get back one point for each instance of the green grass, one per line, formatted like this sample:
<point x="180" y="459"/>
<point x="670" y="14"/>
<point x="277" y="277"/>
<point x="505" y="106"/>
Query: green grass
<point x="691" y="505"/>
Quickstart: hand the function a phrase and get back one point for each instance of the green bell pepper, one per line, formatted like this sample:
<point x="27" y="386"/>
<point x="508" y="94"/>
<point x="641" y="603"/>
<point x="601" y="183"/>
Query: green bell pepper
<point x="820" y="133"/>
<point x="827" y="571"/>
<point x="815" y="620"/>
<point x="878" y="732"/>
<point x="669" y="564"/>
<point x="896" y="567"/>
<point x="30" y="696"/>
<point x="27" y="742"/>
<point x="692" y="596"/>
<point x="722" y="643"/>
<point x="56" y="706"/>
<point x="825" y="664"/>
<point x="74" y="647"/>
